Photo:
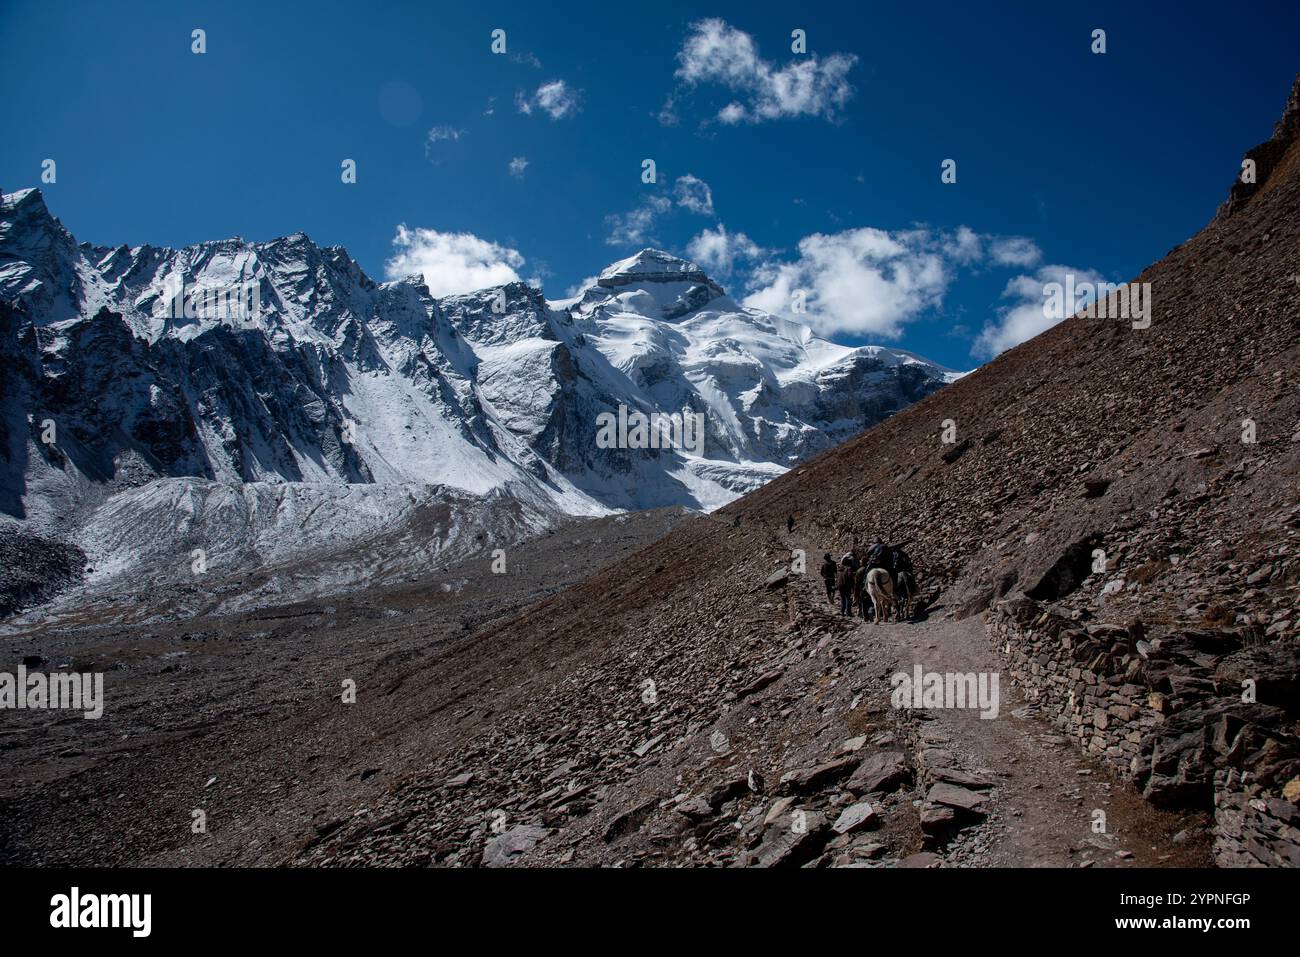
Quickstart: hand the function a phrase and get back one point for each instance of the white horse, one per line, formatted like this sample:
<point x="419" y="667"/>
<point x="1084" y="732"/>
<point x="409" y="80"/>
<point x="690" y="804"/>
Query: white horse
<point x="881" y="590"/>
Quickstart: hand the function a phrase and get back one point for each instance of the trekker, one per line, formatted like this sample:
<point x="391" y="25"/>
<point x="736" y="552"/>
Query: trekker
<point x="789" y="523"/>
<point x="846" y="587"/>
<point x="829" y="575"/>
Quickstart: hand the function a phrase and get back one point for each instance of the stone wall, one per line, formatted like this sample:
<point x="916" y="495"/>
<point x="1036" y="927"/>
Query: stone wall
<point x="1174" y="715"/>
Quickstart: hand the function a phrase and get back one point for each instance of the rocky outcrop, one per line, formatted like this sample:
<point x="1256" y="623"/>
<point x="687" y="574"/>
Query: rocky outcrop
<point x="653" y="265"/>
<point x="1267" y="156"/>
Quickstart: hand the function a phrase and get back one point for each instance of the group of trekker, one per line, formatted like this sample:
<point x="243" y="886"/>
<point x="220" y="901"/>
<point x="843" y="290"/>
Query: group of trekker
<point x="849" y="578"/>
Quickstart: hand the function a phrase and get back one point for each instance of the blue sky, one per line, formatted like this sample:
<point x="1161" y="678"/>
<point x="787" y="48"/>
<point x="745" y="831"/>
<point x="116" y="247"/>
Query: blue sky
<point x="784" y="171"/>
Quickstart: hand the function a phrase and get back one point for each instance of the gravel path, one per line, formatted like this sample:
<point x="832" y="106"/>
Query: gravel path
<point x="1047" y="792"/>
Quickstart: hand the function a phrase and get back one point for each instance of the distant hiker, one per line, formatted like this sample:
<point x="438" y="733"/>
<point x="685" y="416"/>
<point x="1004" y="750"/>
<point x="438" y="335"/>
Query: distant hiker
<point x="789" y="523"/>
<point x="847" y="574"/>
<point x="829" y="575"/>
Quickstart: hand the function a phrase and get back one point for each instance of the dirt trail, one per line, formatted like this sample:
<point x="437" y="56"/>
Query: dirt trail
<point x="1046" y="790"/>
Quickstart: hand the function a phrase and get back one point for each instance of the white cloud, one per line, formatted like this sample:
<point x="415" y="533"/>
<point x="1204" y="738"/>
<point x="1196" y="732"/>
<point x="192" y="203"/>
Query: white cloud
<point x="440" y="134"/>
<point x="518" y="165"/>
<point x="731" y="114"/>
<point x="635" y="227"/>
<point x="716" y="52"/>
<point x="860" y="281"/>
<point x="717" y="250"/>
<point x="451" y="262"/>
<point x="1015" y="251"/>
<point x="555" y="98"/>
<point x="964" y="246"/>
<point x="694" y="194"/>
<point x="1025" y="317"/>
<point x="873" y="282"/>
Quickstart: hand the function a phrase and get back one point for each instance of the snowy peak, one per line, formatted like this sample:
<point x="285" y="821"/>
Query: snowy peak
<point x="335" y="379"/>
<point x="38" y="258"/>
<point x="653" y="265"/>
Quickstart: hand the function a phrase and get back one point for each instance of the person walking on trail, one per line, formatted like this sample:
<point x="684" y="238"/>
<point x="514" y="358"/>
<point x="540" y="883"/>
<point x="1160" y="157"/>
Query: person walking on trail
<point x="847" y="576"/>
<point x="829" y="575"/>
<point x="789" y="523"/>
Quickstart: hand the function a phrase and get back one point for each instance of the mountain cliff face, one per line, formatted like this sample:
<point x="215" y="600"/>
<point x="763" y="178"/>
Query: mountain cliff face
<point x="270" y="377"/>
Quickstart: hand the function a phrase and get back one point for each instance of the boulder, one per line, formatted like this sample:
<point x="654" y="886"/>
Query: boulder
<point x="805" y="780"/>
<point x="778" y="578"/>
<point x="505" y="848"/>
<point x="855" y="817"/>
<point x="959" y="798"/>
<point x="886" y="771"/>
<point x="792" y="842"/>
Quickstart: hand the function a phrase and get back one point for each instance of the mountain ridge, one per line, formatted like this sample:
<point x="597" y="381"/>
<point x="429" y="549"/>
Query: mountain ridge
<point x="236" y="362"/>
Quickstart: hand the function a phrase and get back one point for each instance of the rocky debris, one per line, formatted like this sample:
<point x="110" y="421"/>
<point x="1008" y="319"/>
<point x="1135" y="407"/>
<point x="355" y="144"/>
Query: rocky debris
<point x="958" y="798"/>
<point x="759" y="683"/>
<point x="855" y="817"/>
<point x="881" y="772"/>
<point x="34" y="569"/>
<point x="792" y="843"/>
<point x="804" y="780"/>
<point x="777" y="579"/>
<point x="937" y="821"/>
<point x="1253" y="825"/>
<point x="625" y="822"/>
<point x="1271" y="672"/>
<point x="504" y="849"/>
<point x="696" y="808"/>
<point x="960" y="778"/>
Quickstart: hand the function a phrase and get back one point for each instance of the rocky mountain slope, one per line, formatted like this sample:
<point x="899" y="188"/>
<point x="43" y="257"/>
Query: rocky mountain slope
<point x="1165" y="458"/>
<point x="1113" y="528"/>
<point x="267" y="401"/>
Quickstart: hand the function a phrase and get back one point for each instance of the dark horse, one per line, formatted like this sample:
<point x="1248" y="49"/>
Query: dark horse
<point x="904" y="594"/>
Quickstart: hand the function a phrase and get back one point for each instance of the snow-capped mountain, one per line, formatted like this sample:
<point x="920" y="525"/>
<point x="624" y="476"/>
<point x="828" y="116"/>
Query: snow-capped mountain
<point x="156" y="399"/>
